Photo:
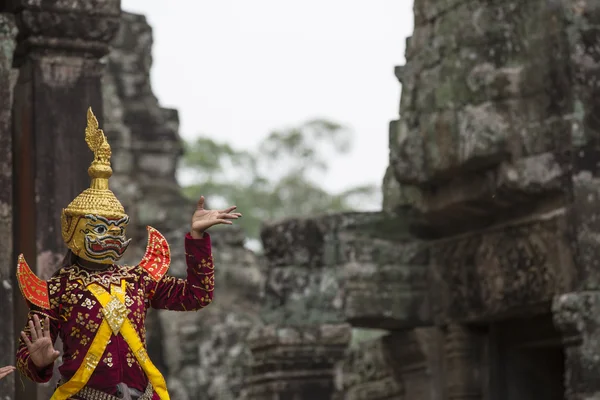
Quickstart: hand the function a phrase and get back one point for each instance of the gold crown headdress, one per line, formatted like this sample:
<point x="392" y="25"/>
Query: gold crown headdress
<point x="98" y="199"/>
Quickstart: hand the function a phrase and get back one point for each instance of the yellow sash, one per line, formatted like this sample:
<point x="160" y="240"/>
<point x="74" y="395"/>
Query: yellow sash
<point x="94" y="353"/>
<point x="116" y="314"/>
<point x="115" y="321"/>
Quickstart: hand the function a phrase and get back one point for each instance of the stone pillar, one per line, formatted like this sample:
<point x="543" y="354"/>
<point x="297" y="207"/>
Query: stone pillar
<point x="59" y="59"/>
<point x="577" y="315"/>
<point x="295" y="363"/>
<point x="464" y="354"/>
<point x="8" y="33"/>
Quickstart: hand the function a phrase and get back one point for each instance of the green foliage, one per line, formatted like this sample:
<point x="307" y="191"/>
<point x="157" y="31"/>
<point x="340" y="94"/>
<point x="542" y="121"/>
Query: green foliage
<point x="278" y="179"/>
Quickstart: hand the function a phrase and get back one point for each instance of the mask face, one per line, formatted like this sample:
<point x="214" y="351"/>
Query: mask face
<point x="98" y="239"/>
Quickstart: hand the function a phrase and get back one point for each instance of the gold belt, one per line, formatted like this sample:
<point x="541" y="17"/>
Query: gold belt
<point x="87" y="393"/>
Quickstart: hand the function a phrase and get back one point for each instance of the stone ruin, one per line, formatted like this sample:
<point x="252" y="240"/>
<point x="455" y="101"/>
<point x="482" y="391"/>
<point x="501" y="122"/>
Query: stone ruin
<point x="478" y="279"/>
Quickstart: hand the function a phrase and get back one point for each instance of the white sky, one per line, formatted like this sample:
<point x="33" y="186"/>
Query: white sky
<point x="238" y="69"/>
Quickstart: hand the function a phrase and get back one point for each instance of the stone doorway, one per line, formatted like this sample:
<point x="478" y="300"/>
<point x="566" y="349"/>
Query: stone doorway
<point x="527" y="360"/>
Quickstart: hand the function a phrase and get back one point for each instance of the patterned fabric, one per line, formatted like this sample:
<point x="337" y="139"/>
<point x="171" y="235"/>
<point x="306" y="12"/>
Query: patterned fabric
<point x="88" y="393"/>
<point x="75" y="314"/>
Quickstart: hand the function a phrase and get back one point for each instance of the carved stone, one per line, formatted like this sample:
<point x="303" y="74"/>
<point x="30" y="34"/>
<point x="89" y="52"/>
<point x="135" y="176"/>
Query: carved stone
<point x="385" y="283"/>
<point x="367" y="372"/>
<point x="511" y="270"/>
<point x="66" y="27"/>
<point x="295" y="362"/>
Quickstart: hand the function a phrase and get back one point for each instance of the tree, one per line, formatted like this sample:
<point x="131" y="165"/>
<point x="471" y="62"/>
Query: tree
<point x="279" y="179"/>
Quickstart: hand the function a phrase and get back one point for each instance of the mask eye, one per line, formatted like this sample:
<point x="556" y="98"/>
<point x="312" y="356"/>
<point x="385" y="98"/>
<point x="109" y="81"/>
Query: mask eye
<point x="100" y="229"/>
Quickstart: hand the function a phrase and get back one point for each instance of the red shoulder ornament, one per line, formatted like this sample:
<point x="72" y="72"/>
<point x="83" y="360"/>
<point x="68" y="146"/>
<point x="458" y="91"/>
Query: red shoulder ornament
<point x="158" y="255"/>
<point x="33" y="288"/>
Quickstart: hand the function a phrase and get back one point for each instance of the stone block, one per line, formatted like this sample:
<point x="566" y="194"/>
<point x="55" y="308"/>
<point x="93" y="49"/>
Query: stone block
<point x="511" y="270"/>
<point x="321" y="269"/>
<point x="61" y="27"/>
<point x="312" y="242"/>
<point x="368" y="372"/>
<point x="385" y="284"/>
<point x="400" y="365"/>
<point x="295" y="362"/>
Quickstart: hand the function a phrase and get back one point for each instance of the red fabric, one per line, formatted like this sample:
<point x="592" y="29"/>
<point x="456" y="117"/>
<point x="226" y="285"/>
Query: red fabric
<point x="76" y="315"/>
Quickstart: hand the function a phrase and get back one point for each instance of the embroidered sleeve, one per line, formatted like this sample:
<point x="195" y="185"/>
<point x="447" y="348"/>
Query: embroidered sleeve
<point x="24" y="363"/>
<point x="196" y="291"/>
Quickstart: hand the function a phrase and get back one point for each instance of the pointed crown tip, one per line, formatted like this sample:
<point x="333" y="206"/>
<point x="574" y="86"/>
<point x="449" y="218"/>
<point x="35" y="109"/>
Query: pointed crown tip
<point x="98" y="199"/>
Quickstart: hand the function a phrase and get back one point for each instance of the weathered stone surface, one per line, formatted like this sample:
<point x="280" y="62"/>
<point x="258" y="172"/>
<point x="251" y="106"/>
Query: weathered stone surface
<point x="295" y="362"/>
<point x="464" y="349"/>
<point x="485" y="85"/>
<point x="309" y="259"/>
<point x="368" y="372"/>
<point x="77" y="26"/>
<point x="480" y="199"/>
<point x="357" y="267"/>
<point x="400" y="365"/>
<point x="207" y="350"/>
<point x="385" y="284"/>
<point x="577" y="314"/>
<point x="586" y="226"/>
<point x="510" y="270"/>
<point x="8" y="33"/>
<point x="312" y="242"/>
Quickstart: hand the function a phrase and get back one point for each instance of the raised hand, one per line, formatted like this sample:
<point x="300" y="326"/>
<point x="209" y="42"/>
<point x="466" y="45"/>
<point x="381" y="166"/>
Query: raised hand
<point x="6" y="370"/>
<point x="41" y="349"/>
<point x="204" y="219"/>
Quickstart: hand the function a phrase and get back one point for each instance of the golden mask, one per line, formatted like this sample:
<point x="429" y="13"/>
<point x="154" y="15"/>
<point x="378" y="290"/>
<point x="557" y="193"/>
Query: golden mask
<point x="93" y="225"/>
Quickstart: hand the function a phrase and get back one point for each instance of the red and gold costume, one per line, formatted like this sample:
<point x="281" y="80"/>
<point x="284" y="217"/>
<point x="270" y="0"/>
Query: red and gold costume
<point x="99" y="314"/>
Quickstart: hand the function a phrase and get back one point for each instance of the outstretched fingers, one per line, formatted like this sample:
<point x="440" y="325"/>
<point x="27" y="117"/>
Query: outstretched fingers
<point x="25" y="339"/>
<point x="6" y="370"/>
<point x="228" y="216"/>
<point x="224" y="221"/>
<point x="228" y="210"/>
<point x="39" y="331"/>
<point x="32" y="331"/>
<point x="46" y="331"/>
<point x="200" y="205"/>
